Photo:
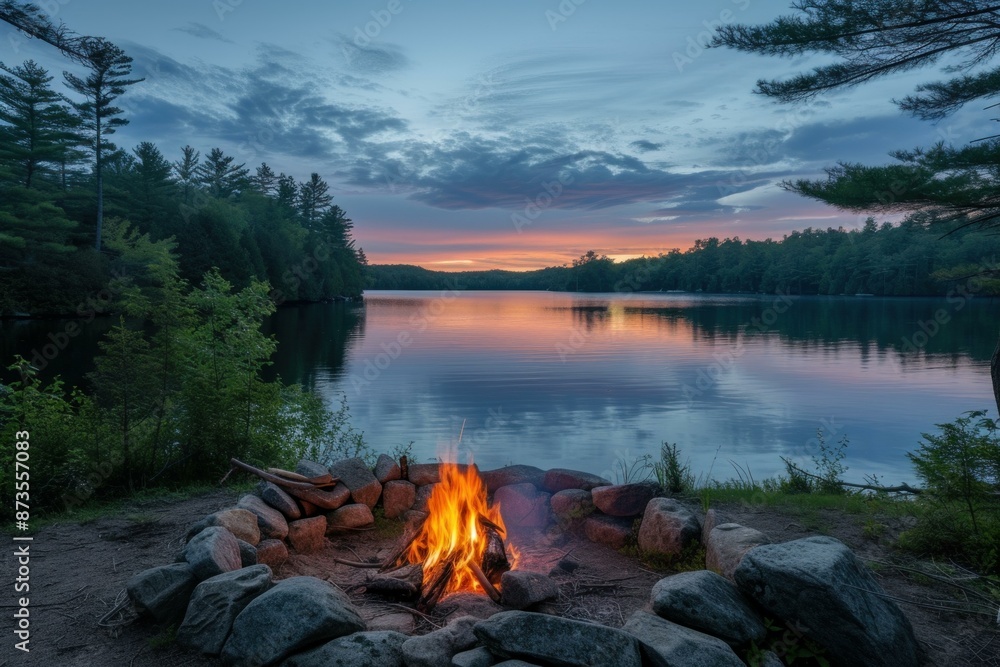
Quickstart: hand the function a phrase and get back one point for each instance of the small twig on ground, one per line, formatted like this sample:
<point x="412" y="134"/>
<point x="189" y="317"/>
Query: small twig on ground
<point x="361" y="564"/>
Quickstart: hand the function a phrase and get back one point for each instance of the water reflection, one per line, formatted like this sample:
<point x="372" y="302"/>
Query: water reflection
<point x="564" y="380"/>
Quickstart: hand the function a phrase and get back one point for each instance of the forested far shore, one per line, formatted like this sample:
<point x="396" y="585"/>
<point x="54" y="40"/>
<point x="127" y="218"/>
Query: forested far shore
<point x="63" y="184"/>
<point x="907" y="259"/>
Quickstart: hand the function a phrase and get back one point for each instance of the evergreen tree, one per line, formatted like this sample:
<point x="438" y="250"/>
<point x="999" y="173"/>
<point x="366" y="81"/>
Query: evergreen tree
<point x="153" y="183"/>
<point x="287" y="191"/>
<point x="264" y="180"/>
<point x="314" y="200"/>
<point x="869" y="40"/>
<point x="108" y="79"/>
<point x="220" y="176"/>
<point x="187" y="171"/>
<point x="35" y="123"/>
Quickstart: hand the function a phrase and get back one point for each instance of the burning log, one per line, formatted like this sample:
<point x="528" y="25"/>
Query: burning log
<point x="390" y="587"/>
<point x="435" y="587"/>
<point x="495" y="561"/>
<point x="485" y="582"/>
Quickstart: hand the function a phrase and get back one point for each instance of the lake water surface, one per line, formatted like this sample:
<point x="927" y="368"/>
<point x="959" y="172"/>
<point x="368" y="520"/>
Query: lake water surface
<point x="584" y="381"/>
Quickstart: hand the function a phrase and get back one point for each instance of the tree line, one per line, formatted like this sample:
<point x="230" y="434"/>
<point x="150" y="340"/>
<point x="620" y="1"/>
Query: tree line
<point x="907" y="259"/>
<point x="61" y="177"/>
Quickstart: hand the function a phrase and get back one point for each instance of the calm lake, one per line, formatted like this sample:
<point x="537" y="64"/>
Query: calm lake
<point x="584" y="381"/>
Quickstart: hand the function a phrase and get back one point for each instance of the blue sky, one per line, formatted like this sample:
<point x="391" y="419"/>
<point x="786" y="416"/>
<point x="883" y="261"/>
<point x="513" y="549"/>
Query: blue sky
<point x="512" y="135"/>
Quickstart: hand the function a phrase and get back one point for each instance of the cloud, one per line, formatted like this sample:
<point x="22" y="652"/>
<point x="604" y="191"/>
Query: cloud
<point x="644" y="146"/>
<point x="371" y="59"/>
<point x="202" y="31"/>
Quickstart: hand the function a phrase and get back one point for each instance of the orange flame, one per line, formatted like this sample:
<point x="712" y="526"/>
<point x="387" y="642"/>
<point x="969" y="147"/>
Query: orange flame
<point x="452" y="531"/>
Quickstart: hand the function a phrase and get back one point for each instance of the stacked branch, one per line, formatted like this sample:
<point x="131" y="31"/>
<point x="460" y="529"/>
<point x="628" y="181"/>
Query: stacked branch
<point x="313" y="490"/>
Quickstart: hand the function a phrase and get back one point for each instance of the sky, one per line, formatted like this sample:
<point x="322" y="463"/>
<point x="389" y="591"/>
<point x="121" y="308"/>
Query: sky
<point x="514" y="135"/>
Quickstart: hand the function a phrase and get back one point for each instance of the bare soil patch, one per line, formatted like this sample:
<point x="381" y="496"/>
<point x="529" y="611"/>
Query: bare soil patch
<point x="79" y="571"/>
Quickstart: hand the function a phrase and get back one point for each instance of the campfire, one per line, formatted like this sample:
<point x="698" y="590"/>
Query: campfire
<point x="460" y="545"/>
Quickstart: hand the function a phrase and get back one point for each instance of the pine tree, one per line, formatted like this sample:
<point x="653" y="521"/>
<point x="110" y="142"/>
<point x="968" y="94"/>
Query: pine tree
<point x="314" y="200"/>
<point x="265" y="180"/>
<point x="154" y="185"/>
<point x="287" y="191"/>
<point x="220" y="176"/>
<point x="187" y="171"/>
<point x="37" y="125"/>
<point x="108" y="79"/>
<point x="942" y="184"/>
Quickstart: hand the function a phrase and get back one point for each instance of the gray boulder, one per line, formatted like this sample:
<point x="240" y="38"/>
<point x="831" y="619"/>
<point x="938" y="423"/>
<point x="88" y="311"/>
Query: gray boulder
<point x="466" y="604"/>
<point x="624" y="499"/>
<point x="306" y="535"/>
<point x="516" y="474"/>
<point x="355" y="475"/>
<point x="271" y="522"/>
<point x="362" y="649"/>
<point x="477" y="657"/>
<point x="276" y="497"/>
<point x="818" y="583"/>
<point x="386" y="469"/>
<point x="398" y="496"/>
<point x="666" y="644"/>
<point x="704" y="601"/>
<point x="296" y="613"/>
<point x="522" y="506"/>
<point x="557" y="479"/>
<point x="213" y="551"/>
<point x="435" y="649"/>
<point x="311" y="469"/>
<point x="356" y="515"/>
<point x="216" y="603"/>
<point x="571" y="504"/>
<point x="611" y="531"/>
<point x="248" y="553"/>
<point x="521" y="589"/>
<point x="552" y="640"/>
<point x="727" y="543"/>
<point x="162" y="592"/>
<point x="667" y="527"/>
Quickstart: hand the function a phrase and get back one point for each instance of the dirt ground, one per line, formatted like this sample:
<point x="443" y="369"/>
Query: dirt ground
<point x="78" y="573"/>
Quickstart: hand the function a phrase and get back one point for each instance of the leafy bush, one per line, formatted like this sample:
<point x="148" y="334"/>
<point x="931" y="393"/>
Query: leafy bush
<point x="960" y="470"/>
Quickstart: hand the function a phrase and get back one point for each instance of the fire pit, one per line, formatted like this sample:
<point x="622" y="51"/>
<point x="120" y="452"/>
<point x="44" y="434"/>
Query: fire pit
<point x="285" y="577"/>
